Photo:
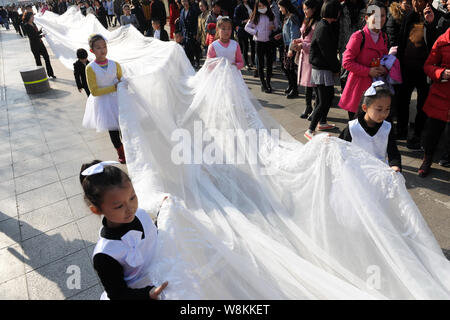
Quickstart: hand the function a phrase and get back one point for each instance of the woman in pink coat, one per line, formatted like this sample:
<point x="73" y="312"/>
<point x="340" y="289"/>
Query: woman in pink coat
<point x="437" y="105"/>
<point x="311" y="8"/>
<point x="363" y="63"/>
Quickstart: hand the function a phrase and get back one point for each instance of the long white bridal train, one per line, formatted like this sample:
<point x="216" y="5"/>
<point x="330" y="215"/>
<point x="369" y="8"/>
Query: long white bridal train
<point x="252" y="213"/>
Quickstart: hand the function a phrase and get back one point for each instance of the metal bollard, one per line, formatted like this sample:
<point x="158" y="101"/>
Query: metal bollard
<point x="35" y="79"/>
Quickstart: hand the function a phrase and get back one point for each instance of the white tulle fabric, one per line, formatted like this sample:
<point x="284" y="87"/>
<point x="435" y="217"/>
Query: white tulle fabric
<point x="323" y="220"/>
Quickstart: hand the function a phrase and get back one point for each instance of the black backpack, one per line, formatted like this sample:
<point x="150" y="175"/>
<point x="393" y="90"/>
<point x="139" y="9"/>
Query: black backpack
<point x="345" y="72"/>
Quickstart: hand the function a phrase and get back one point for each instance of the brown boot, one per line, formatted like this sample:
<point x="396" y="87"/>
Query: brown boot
<point x="121" y="154"/>
<point x="425" y="167"/>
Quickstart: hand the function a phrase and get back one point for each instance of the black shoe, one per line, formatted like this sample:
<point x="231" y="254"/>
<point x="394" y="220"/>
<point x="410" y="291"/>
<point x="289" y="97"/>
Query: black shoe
<point x="292" y="95"/>
<point x="256" y="74"/>
<point x="54" y="77"/>
<point x="425" y="167"/>
<point x="288" y="89"/>
<point x="401" y="134"/>
<point x="414" y="144"/>
<point x="264" y="87"/>
<point x="306" y="113"/>
<point x="445" y="160"/>
<point x="269" y="87"/>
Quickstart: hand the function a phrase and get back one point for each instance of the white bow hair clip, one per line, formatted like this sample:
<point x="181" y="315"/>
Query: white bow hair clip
<point x="372" y="91"/>
<point x="97" y="168"/>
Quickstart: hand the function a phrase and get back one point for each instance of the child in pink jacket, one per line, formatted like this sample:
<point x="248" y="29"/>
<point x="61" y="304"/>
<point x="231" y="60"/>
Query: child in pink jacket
<point x="363" y="63"/>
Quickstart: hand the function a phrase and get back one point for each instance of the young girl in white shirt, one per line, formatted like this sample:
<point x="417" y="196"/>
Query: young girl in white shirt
<point x="128" y="237"/>
<point x="224" y="46"/>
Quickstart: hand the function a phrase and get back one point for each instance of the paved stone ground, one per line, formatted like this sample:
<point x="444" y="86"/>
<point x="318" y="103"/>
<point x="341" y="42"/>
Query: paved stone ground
<point x="45" y="226"/>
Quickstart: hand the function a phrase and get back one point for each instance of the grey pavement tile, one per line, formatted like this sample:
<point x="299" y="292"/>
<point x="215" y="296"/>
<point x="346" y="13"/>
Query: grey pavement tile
<point x="15" y="118"/>
<point x="79" y="206"/>
<point x="7" y="189"/>
<point x="52" y="245"/>
<point x="99" y="144"/>
<point x="59" y="280"/>
<point x="15" y="289"/>
<point x="5" y="158"/>
<point x="44" y="219"/>
<point x="72" y="186"/>
<point x="4" y="132"/>
<point x="5" y="146"/>
<point x="8" y="208"/>
<point x="40" y="198"/>
<point x="17" y="110"/>
<point x="29" y="166"/>
<point x="21" y="108"/>
<point x="17" y="98"/>
<point x="11" y="263"/>
<point x="69" y="153"/>
<point x="26" y="132"/>
<point x="63" y="123"/>
<point x="36" y="179"/>
<point x="294" y="127"/>
<point x="48" y="118"/>
<point x="6" y="173"/>
<point x="65" y="142"/>
<point x="3" y="114"/>
<point x="3" y="120"/>
<point x="39" y="98"/>
<point x="62" y="94"/>
<point x="107" y="154"/>
<point x="52" y="135"/>
<point x="89" y="227"/>
<point x="30" y="152"/>
<point x="9" y="233"/>
<point x="93" y="293"/>
<point x="29" y="122"/>
<point x="89" y="134"/>
<point x="72" y="168"/>
<point x="29" y="140"/>
<point x="90" y="250"/>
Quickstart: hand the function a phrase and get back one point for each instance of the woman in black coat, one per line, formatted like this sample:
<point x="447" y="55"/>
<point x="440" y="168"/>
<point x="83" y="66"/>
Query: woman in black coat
<point x="397" y="10"/>
<point x="139" y="13"/>
<point x="325" y="65"/>
<point x="36" y="44"/>
<point x="100" y="13"/>
<point x="241" y="16"/>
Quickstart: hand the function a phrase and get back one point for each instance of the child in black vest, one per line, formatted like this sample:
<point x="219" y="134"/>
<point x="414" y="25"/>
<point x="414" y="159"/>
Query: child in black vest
<point x="370" y="131"/>
<point x="79" y="70"/>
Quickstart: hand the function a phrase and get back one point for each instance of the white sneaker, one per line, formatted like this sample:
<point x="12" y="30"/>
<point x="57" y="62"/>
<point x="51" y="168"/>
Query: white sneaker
<point x="309" y="134"/>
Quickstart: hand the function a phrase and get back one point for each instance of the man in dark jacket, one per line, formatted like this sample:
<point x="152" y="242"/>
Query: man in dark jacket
<point x="444" y="21"/>
<point x="188" y="25"/>
<point x="418" y="33"/>
<point x="158" y="11"/>
<point x="5" y="18"/>
<point x="397" y="12"/>
<point x="16" y="20"/>
<point x="62" y="6"/>
<point x="228" y="7"/>
<point x="118" y="9"/>
<point x="100" y="13"/>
